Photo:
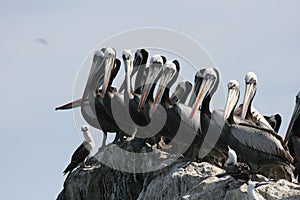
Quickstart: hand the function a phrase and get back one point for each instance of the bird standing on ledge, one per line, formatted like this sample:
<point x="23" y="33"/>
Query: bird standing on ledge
<point x="82" y="152"/>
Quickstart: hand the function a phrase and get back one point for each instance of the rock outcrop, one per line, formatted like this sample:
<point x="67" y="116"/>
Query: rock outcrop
<point x="173" y="179"/>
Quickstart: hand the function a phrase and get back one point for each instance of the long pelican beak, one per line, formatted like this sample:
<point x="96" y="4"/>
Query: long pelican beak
<point x="206" y="87"/>
<point x="127" y="55"/>
<point x="71" y="105"/>
<point x="165" y="79"/>
<point x="109" y="58"/>
<point x="233" y="96"/>
<point x="135" y="69"/>
<point x="96" y="69"/>
<point x="195" y="91"/>
<point x="292" y="122"/>
<point x="128" y="63"/>
<point x="136" y="65"/>
<point x="97" y="61"/>
<point x="249" y="94"/>
<point x="153" y="72"/>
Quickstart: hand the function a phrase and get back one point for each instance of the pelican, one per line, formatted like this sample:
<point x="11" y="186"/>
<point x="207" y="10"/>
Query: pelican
<point x="82" y="152"/>
<point x="248" y="112"/>
<point x="292" y="137"/>
<point x="88" y="113"/>
<point x="123" y="108"/>
<point x="181" y="92"/>
<point x="131" y="100"/>
<point x="168" y="78"/>
<point x="258" y="146"/>
<point x="211" y="124"/>
<point x="178" y="127"/>
<point x="139" y="64"/>
<point x="140" y="60"/>
<point x="197" y="82"/>
<point x="237" y="170"/>
<point x="153" y="74"/>
<point x="107" y="124"/>
<point x="91" y="103"/>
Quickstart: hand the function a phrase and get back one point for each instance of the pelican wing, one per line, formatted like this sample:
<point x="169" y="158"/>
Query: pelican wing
<point x="260" y="140"/>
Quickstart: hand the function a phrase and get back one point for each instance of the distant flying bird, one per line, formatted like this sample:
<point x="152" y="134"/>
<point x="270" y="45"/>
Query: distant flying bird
<point x="42" y="41"/>
<point x="82" y="152"/>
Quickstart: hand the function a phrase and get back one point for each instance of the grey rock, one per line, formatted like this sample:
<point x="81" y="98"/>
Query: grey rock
<point x="179" y="180"/>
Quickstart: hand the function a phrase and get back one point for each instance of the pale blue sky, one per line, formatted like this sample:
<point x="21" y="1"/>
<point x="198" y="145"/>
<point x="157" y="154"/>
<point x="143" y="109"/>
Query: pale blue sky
<point x="37" y="142"/>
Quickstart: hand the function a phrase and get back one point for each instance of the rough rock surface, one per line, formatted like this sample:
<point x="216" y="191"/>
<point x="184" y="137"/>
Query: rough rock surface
<point x="179" y="180"/>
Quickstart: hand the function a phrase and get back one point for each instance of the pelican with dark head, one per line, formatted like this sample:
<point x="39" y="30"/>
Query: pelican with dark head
<point x="153" y="72"/>
<point x="207" y="81"/>
<point x="181" y="92"/>
<point x="292" y="137"/>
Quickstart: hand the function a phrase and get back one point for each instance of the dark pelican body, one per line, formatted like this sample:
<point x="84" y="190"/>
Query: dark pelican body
<point x="258" y="146"/>
<point x="124" y="108"/>
<point x="131" y="99"/>
<point x="106" y="123"/>
<point x="139" y="117"/>
<point x="82" y="152"/>
<point x="292" y="138"/>
<point x="163" y="98"/>
<point x="178" y="127"/>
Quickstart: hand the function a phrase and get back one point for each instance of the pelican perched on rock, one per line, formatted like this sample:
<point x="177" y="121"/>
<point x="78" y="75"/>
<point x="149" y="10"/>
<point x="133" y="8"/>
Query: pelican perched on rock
<point x="258" y="146"/>
<point x="88" y="112"/>
<point x="135" y="118"/>
<point x="247" y="111"/>
<point x="91" y="103"/>
<point x="292" y="137"/>
<point x="176" y="125"/>
<point x="82" y="152"/>
<point x="167" y="75"/>
<point x="210" y="122"/>
<point x="176" y="112"/>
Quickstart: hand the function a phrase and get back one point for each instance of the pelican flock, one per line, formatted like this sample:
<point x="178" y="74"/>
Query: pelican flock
<point x="252" y="138"/>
